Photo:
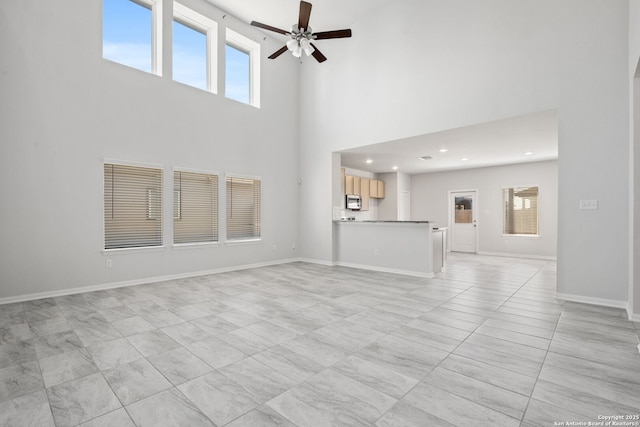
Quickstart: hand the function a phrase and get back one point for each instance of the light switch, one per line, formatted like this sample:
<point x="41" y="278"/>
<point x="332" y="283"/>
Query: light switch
<point x="588" y="204"/>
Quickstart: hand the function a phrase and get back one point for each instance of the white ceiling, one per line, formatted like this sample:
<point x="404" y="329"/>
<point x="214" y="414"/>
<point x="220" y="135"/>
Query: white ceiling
<point x="488" y="144"/>
<point x="326" y="15"/>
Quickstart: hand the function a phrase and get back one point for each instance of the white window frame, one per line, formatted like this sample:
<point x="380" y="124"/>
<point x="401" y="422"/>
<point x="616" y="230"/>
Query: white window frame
<point x="156" y="35"/>
<point x="251" y="47"/>
<point x="209" y="27"/>
<point x="525" y="236"/>
<point x="228" y="241"/>
<point x="173" y="216"/>
<point x="160" y="247"/>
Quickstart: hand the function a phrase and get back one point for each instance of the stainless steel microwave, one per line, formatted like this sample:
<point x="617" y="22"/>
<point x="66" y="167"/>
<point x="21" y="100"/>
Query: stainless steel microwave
<point x="354" y="202"/>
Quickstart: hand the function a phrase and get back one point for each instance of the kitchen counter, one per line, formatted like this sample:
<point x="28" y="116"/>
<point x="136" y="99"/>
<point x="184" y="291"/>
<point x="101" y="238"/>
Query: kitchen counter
<point x="384" y="221"/>
<point x="401" y="247"/>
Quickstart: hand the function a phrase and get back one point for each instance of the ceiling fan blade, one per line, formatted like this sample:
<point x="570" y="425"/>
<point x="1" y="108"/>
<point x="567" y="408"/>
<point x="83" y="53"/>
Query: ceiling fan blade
<point x="305" y="14"/>
<point x="317" y="54"/>
<point x="278" y="52"/>
<point x="337" y="34"/>
<point x="269" y="27"/>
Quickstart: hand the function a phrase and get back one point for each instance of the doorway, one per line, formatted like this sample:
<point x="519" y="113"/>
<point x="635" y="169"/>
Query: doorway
<point x="462" y="219"/>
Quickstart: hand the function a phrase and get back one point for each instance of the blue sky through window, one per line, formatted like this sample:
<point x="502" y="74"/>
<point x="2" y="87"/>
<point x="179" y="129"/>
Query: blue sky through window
<point x="126" y="34"/>
<point x="189" y="56"/>
<point x="237" y="74"/>
<point x="127" y="39"/>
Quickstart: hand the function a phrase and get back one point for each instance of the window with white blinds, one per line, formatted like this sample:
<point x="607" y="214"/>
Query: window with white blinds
<point x="132" y="206"/>
<point x="243" y="208"/>
<point x="521" y="210"/>
<point x="195" y="207"/>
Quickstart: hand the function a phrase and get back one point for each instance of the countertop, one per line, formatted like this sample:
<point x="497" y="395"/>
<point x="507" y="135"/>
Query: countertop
<point x="382" y="221"/>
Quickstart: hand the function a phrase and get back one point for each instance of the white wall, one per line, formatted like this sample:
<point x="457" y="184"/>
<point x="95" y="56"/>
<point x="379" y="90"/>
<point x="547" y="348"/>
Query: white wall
<point x="394" y="184"/>
<point x="388" y="206"/>
<point x="430" y="202"/>
<point x="404" y="190"/>
<point x="63" y="109"/>
<point x="421" y="66"/>
<point x="634" y="159"/>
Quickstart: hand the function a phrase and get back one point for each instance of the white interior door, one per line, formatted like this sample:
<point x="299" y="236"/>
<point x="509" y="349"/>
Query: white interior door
<point x="463" y="221"/>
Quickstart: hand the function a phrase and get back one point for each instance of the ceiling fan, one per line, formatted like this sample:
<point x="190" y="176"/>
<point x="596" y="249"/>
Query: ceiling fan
<point x="302" y="36"/>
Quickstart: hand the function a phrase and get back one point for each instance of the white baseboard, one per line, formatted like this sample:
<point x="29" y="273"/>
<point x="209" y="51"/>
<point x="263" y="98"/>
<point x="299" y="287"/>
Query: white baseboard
<point x="510" y="255"/>
<point x="316" y="261"/>
<point x="148" y="280"/>
<point x="386" y="270"/>
<point x="591" y="300"/>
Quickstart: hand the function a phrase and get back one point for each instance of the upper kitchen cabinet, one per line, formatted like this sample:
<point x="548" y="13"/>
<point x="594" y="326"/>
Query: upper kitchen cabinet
<point x="364" y="193"/>
<point x="380" y="189"/>
<point x="348" y="184"/>
<point x="364" y="187"/>
<point x="357" y="185"/>
<point x="373" y="188"/>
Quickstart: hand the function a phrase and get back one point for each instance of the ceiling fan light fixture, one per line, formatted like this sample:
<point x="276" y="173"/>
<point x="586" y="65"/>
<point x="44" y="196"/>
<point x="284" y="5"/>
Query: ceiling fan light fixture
<point x="302" y="35"/>
<point x="305" y="44"/>
<point x="292" y="44"/>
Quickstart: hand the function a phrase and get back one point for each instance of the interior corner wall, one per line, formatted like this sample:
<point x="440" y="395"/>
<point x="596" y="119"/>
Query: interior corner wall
<point x="430" y="201"/>
<point x="456" y="63"/>
<point x="64" y="109"/>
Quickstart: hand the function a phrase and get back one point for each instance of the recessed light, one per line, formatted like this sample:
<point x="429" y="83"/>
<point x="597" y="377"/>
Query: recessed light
<point x="528" y="153"/>
<point x="369" y="161"/>
<point x="425" y="158"/>
<point x="395" y="168"/>
<point x="443" y="150"/>
<point x="464" y="159"/>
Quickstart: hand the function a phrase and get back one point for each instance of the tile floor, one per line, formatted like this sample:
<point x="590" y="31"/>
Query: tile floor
<point x="484" y="343"/>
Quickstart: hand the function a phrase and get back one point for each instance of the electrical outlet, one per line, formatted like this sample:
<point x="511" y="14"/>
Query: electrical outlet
<point x="588" y="204"/>
<point x="293" y="247"/>
<point x="376" y="251"/>
<point x="108" y="264"/>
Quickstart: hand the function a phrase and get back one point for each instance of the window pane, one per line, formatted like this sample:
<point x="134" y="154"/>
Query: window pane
<point x="521" y="210"/>
<point x="127" y="34"/>
<point x="237" y="74"/>
<point x="243" y="208"/>
<point x="132" y="206"/>
<point x="195" y="209"/>
<point x="189" y="56"/>
<point x="464" y="210"/>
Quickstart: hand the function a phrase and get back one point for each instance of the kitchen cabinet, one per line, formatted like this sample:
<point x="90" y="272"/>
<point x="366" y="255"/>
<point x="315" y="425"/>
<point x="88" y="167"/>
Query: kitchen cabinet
<point x="380" y="189"/>
<point x="373" y="188"/>
<point x="364" y="187"/>
<point x="348" y="184"/>
<point x="364" y="193"/>
<point x="357" y="184"/>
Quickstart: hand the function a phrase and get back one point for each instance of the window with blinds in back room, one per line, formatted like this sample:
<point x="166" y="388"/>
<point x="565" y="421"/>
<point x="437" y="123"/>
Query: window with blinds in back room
<point x="132" y="206"/>
<point x="195" y="207"/>
<point x="521" y="211"/>
<point x="243" y="208"/>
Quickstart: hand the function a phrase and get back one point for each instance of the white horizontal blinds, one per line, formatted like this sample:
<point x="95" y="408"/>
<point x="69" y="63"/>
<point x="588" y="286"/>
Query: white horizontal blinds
<point x="132" y="206"/>
<point x="195" y="207"/>
<point x="521" y="210"/>
<point x="243" y="208"/>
